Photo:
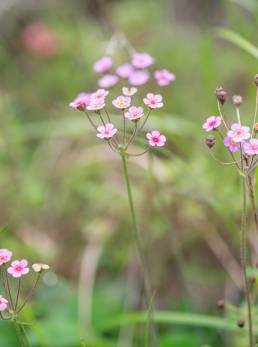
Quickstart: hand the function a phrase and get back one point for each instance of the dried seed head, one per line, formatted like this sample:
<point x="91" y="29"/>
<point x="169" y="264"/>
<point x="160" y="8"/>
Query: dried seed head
<point x="256" y="80"/>
<point x="221" y="304"/>
<point x="237" y="100"/>
<point x="221" y="95"/>
<point x="241" y="323"/>
<point x="210" y="141"/>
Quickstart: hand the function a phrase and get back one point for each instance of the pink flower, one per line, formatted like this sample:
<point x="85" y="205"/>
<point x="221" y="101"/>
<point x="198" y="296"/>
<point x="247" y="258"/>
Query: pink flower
<point x="125" y="70"/>
<point x="103" y="64"/>
<point x="18" y="268"/>
<point x="39" y="267"/>
<point x="108" y="81"/>
<point x="81" y="101"/>
<point x="3" y="303"/>
<point x="153" y="101"/>
<point x="156" y="139"/>
<point x="231" y="144"/>
<point x="129" y="92"/>
<point x="5" y="256"/>
<point x="99" y="94"/>
<point x="238" y="132"/>
<point x="107" y="131"/>
<point x="138" y="78"/>
<point x="211" y="123"/>
<point x="164" y="77"/>
<point x="142" y="60"/>
<point x="134" y="113"/>
<point x="122" y="102"/>
<point x="251" y="147"/>
<point x="96" y="104"/>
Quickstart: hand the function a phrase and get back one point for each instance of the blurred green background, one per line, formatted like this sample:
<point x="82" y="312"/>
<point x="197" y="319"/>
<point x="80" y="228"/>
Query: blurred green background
<point x="62" y="192"/>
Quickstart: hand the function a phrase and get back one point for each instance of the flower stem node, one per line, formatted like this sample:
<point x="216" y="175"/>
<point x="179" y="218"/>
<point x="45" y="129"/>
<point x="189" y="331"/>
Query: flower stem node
<point x="237" y="100"/>
<point x="221" y="95"/>
<point x="210" y="141"/>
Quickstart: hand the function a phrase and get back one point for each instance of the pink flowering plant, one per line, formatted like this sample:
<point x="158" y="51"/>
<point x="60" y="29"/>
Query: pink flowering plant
<point x="239" y="140"/>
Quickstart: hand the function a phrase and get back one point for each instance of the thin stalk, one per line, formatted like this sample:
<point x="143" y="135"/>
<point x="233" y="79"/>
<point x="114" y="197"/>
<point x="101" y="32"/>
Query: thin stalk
<point x="145" y="121"/>
<point x="8" y="287"/>
<point x="30" y="294"/>
<point x="255" y="111"/>
<point x="223" y="117"/>
<point x="90" y="120"/>
<point x="139" y="245"/>
<point x="21" y="336"/>
<point x="251" y="189"/>
<point x="133" y="135"/>
<point x="18" y="294"/>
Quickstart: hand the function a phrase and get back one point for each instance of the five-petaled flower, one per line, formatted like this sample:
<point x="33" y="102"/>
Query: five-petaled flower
<point x="231" y="144"/>
<point x="142" y="60"/>
<point x="153" y="101"/>
<point x="107" y="81"/>
<point x="156" y="139"/>
<point x="122" y="102"/>
<point x="164" y="77"/>
<point x="134" y="113"/>
<point x="81" y="101"/>
<point x="39" y="267"/>
<point x="18" y="268"/>
<point x="96" y="104"/>
<point x="3" y="304"/>
<point x="5" y="256"/>
<point x="238" y="132"/>
<point x="212" y="122"/>
<point x="251" y="147"/>
<point x="100" y="94"/>
<point x="103" y="64"/>
<point x="106" y="131"/>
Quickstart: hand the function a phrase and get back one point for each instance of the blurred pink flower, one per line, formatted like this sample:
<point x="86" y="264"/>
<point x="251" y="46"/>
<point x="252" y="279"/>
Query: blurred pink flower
<point x="125" y="70"/>
<point x="134" y="113"/>
<point x="103" y="64"/>
<point x="142" y="60"/>
<point x="39" y="39"/>
<point x="138" y="78"/>
<point x="18" y="268"/>
<point x="38" y="267"/>
<point x="107" y="81"/>
<point x="96" y="104"/>
<point x="211" y="123"/>
<point x="3" y="303"/>
<point x="107" y="131"/>
<point x="164" y="77"/>
<point x="156" y="139"/>
<point x="251" y="147"/>
<point x="122" y="102"/>
<point x="81" y="101"/>
<point x="5" y="256"/>
<point x="99" y="94"/>
<point x="231" y="144"/>
<point x="129" y="91"/>
<point x="238" y="132"/>
<point x="153" y="101"/>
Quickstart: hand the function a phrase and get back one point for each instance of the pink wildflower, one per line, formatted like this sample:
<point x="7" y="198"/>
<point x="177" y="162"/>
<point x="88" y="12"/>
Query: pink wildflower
<point x="211" y="123"/>
<point x="122" y="102"/>
<point x="125" y="70"/>
<point x="96" y="104"/>
<point x="251" y="147"/>
<point x="231" y="144"/>
<point x="99" y="94"/>
<point x="153" y="101"/>
<point x="164" y="77"/>
<point x="134" y="113"/>
<point x="18" y="268"/>
<point x="129" y="91"/>
<point x="142" y="60"/>
<point x="103" y="64"/>
<point x="107" y="131"/>
<point x="81" y="101"/>
<point x="38" y="267"/>
<point x="108" y="81"/>
<point x="5" y="256"/>
<point x="156" y="139"/>
<point x="3" y="303"/>
<point x="138" y="78"/>
<point x="238" y="132"/>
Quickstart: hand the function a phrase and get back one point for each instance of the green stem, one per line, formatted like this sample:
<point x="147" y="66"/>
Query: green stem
<point x="253" y="202"/>
<point x="139" y="245"/>
<point x="20" y="334"/>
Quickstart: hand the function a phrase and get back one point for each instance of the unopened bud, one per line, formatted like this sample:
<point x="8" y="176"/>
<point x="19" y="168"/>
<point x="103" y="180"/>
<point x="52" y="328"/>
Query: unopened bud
<point x="221" y="95"/>
<point x="241" y="323"/>
<point x="210" y="141"/>
<point x="256" y="80"/>
<point x="221" y="304"/>
<point x="237" y="100"/>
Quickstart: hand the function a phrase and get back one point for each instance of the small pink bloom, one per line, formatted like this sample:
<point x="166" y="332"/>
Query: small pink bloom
<point x="251" y="147"/>
<point x="125" y="70"/>
<point x="5" y="256"/>
<point x="122" y="102"/>
<point x="164" y="77"/>
<point x="81" y="101"/>
<point x="156" y="139"/>
<point x="211" y="123"/>
<point x="138" y="78"/>
<point x="134" y="113"/>
<point x="100" y="94"/>
<point x="107" y="131"/>
<point x="103" y="64"/>
<point x="153" y="101"/>
<point x="129" y="92"/>
<point x="142" y="60"/>
<point x="108" y="81"/>
<point x="38" y="267"/>
<point x="231" y="144"/>
<point x="96" y="104"/>
<point x="238" y="132"/>
<point x="18" y="268"/>
<point x="3" y="303"/>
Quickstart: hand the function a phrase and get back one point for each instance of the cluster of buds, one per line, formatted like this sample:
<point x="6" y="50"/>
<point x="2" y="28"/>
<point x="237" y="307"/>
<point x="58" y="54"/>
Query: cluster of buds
<point x="10" y="305"/>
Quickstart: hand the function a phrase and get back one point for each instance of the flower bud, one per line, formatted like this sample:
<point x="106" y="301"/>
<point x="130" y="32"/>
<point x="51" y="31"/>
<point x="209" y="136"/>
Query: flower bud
<point x="221" y="304"/>
<point x="256" y="129"/>
<point x="221" y="95"/>
<point x="256" y="80"/>
<point x="237" y="100"/>
<point x="241" y="323"/>
<point x="210" y="141"/>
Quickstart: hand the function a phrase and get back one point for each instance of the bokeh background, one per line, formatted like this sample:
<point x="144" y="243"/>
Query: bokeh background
<point x="62" y="192"/>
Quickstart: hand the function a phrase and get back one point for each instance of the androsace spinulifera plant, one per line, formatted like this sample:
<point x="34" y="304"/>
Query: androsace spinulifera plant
<point x="242" y="145"/>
